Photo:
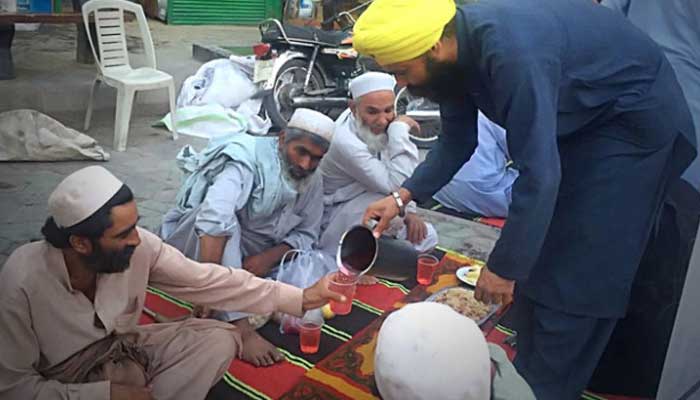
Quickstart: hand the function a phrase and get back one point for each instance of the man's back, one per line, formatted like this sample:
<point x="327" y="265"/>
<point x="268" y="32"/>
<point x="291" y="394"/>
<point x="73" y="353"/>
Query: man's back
<point x="603" y="68"/>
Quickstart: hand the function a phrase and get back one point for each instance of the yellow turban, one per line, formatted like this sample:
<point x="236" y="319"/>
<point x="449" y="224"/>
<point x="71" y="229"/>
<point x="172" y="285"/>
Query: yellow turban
<point x="393" y="31"/>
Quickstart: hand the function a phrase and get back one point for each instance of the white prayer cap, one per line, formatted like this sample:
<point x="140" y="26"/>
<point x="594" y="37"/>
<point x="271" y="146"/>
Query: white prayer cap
<point x="429" y="351"/>
<point x="82" y="193"/>
<point x="313" y="122"/>
<point x="371" y="82"/>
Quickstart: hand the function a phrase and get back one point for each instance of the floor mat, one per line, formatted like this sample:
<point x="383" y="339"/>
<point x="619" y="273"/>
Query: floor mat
<point x="343" y="368"/>
<point x="435" y="206"/>
<point x="244" y="381"/>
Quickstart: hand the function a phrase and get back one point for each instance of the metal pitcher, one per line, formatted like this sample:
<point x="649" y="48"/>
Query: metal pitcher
<point x="385" y="257"/>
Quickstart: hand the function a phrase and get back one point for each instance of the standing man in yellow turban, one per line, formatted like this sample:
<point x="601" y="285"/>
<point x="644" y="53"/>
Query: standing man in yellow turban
<point x="598" y="130"/>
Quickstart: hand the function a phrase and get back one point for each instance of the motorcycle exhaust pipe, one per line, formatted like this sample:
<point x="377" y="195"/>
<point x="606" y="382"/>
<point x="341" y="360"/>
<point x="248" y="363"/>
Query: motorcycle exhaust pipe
<point x="304" y="101"/>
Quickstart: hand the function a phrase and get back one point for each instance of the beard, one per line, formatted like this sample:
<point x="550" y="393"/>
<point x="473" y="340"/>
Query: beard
<point x="109" y="262"/>
<point x="445" y="81"/>
<point x="298" y="177"/>
<point x="376" y="143"/>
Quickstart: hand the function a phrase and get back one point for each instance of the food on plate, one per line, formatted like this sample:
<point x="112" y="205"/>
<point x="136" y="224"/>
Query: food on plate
<point x="463" y="301"/>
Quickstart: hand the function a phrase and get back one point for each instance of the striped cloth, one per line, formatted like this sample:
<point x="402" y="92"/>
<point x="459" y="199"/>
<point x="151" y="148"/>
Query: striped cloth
<point x="343" y="368"/>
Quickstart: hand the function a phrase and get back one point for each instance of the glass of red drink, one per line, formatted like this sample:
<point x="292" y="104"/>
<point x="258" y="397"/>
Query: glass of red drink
<point x="345" y="285"/>
<point x="310" y="331"/>
<point x="427" y="263"/>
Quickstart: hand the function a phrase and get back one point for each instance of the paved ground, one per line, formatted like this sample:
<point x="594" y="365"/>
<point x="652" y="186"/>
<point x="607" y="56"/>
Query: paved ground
<point x="49" y="80"/>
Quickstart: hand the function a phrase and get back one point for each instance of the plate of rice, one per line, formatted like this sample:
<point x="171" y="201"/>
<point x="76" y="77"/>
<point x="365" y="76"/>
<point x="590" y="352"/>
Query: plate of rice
<point x="462" y="300"/>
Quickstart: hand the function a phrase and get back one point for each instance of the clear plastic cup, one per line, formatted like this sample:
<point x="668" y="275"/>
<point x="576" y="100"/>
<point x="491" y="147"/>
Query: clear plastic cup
<point x="345" y="285"/>
<point x="427" y="263"/>
<point x="310" y="331"/>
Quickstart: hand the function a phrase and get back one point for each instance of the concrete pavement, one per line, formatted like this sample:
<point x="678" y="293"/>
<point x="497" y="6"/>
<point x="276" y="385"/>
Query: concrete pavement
<point x="49" y="80"/>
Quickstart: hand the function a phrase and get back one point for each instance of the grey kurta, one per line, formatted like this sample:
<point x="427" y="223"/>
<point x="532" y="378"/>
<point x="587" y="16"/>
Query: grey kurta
<point x="354" y="177"/>
<point x="507" y="384"/>
<point x="226" y="209"/>
<point x="294" y="218"/>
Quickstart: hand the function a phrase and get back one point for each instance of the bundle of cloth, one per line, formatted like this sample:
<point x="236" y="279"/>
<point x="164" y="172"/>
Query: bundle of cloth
<point x="218" y="100"/>
<point x="28" y="135"/>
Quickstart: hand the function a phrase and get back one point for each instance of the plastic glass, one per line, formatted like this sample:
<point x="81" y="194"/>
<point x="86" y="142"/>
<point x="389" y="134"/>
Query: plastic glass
<point x="427" y="264"/>
<point x="345" y="285"/>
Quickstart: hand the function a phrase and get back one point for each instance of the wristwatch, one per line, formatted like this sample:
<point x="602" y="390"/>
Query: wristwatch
<point x="399" y="202"/>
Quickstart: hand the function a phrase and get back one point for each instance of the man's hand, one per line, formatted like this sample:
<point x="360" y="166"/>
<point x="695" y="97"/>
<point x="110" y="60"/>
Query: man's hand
<point x="412" y="124"/>
<point x="416" y="230"/>
<point x="124" y="392"/>
<point x="318" y="295"/>
<point x="261" y="264"/>
<point x="492" y="289"/>
<point x="383" y="210"/>
<point x="256" y="265"/>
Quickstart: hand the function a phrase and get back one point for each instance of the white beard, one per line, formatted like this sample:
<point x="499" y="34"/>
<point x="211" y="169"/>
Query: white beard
<point x="376" y="143"/>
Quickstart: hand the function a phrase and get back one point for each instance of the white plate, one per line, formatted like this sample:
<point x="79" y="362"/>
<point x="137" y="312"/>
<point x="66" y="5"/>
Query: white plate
<point x="469" y="274"/>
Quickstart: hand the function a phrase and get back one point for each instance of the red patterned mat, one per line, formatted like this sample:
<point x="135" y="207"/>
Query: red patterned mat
<point x="344" y="366"/>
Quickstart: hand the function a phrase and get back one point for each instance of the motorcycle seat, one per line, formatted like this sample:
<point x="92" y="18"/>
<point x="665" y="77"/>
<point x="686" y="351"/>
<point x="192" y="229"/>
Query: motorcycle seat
<point x="308" y="34"/>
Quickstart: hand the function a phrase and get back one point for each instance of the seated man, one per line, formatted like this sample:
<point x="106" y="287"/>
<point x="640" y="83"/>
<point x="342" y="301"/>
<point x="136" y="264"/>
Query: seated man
<point x="70" y="304"/>
<point x="370" y="157"/>
<point x="483" y="185"/>
<point x="248" y="201"/>
<point x="455" y="360"/>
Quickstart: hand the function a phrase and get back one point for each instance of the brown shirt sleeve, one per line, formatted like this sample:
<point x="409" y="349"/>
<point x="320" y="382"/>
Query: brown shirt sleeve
<point x="215" y="286"/>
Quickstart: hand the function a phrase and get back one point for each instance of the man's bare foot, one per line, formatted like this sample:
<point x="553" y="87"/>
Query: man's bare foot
<point x="257" y="350"/>
<point x="367" y="280"/>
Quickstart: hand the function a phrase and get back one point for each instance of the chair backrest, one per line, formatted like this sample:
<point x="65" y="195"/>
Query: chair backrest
<point x="111" y="51"/>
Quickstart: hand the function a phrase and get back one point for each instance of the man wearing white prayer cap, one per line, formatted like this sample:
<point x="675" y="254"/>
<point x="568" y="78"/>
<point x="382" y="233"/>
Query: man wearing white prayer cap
<point x="247" y="202"/>
<point x="70" y="305"/>
<point x="370" y="157"/>
<point x="429" y="351"/>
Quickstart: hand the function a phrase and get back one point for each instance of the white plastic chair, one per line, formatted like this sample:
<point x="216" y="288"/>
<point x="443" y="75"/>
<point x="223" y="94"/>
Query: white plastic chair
<point x="113" y="63"/>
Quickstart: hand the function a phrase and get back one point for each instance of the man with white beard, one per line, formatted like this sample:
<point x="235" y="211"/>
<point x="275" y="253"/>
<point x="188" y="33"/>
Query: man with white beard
<point x="248" y="201"/>
<point x="370" y="156"/>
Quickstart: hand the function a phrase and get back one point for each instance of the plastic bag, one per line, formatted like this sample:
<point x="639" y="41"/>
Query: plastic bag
<point x="220" y="81"/>
<point x="303" y="271"/>
<point x="206" y="121"/>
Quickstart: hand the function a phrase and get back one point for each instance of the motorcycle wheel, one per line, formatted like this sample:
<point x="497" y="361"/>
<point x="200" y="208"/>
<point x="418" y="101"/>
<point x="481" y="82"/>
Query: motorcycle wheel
<point x="289" y="83"/>
<point x="430" y="125"/>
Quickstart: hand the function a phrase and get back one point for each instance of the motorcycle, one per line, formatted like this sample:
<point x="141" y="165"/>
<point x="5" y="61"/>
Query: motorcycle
<point x="423" y="111"/>
<point x="305" y="67"/>
<point x="309" y="67"/>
